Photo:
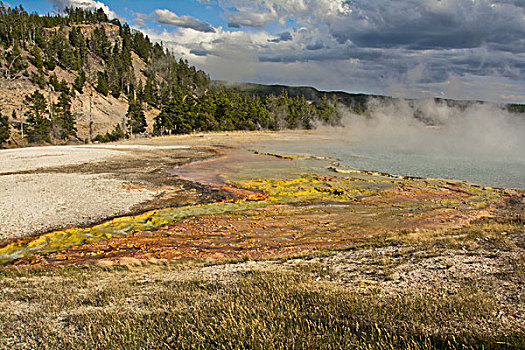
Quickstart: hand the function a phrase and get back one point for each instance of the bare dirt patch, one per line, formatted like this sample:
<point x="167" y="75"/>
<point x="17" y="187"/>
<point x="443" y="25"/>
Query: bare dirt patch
<point x="37" y="203"/>
<point x="49" y="188"/>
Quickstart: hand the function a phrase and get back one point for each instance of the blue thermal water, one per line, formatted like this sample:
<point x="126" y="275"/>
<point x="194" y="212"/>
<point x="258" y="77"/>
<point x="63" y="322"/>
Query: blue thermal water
<point x="507" y="172"/>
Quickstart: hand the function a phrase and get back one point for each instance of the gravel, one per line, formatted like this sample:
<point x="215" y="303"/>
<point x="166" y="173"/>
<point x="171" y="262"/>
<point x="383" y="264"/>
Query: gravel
<point x="41" y="201"/>
<point x="33" y="158"/>
<point x="35" y="203"/>
<point x="25" y="159"/>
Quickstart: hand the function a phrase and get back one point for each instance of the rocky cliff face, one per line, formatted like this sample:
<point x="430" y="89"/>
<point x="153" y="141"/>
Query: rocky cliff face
<point x="104" y="111"/>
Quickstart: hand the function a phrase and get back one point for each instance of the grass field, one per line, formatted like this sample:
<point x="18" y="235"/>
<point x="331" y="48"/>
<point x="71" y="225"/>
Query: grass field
<point x="461" y="288"/>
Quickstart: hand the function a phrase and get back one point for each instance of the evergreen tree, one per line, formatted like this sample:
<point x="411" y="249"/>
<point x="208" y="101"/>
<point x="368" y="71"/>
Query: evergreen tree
<point x="38" y="79"/>
<point x="178" y="115"/>
<point x="142" y="45"/>
<point x="328" y="112"/>
<point x="63" y="87"/>
<point x="59" y="86"/>
<point x="53" y="81"/>
<point x="136" y="119"/>
<point x="100" y="43"/>
<point x="50" y="63"/>
<point x="38" y="118"/>
<point x="151" y="93"/>
<point x="15" y="62"/>
<point x="164" y="121"/>
<point x="117" y="133"/>
<point x="37" y="60"/>
<point x="278" y="107"/>
<point x="4" y="128"/>
<point x="68" y="58"/>
<point x="75" y="37"/>
<point x="300" y="114"/>
<point x="101" y="16"/>
<point x="79" y="82"/>
<point x="115" y="90"/>
<point x="64" y="122"/>
<point x="259" y="113"/>
<point x="140" y="92"/>
<point x="102" y="84"/>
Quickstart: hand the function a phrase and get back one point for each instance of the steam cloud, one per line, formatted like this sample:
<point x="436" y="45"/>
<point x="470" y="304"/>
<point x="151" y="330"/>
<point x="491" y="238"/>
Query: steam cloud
<point x="427" y="127"/>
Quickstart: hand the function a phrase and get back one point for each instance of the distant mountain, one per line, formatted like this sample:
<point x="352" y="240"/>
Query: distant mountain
<point x="355" y="102"/>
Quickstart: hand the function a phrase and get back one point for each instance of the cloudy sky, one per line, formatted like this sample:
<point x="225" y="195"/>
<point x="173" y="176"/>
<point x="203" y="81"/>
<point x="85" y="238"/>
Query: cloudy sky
<point x="464" y="49"/>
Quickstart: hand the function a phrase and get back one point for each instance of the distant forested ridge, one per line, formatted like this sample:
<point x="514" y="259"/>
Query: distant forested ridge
<point x="358" y="103"/>
<point x="107" y="58"/>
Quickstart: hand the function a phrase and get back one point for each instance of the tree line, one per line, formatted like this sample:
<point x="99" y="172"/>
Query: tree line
<point x="225" y="110"/>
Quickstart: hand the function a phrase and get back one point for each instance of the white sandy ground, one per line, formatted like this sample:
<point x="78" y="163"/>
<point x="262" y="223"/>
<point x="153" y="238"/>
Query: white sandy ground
<point x="24" y="159"/>
<point x="35" y="203"/>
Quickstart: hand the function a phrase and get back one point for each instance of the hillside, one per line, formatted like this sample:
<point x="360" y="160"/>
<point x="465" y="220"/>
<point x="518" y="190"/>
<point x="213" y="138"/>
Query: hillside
<point x="97" y="66"/>
<point x="105" y="111"/>
<point x="79" y="77"/>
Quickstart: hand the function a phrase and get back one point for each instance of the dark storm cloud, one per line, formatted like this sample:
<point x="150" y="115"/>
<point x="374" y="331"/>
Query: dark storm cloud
<point x="314" y="47"/>
<point x="518" y="3"/>
<point x="234" y="25"/>
<point x="375" y="45"/>
<point x="324" y="55"/>
<point x="170" y="18"/>
<point x="200" y="53"/>
<point x="423" y="25"/>
<point x="286" y="36"/>
<point x="447" y="37"/>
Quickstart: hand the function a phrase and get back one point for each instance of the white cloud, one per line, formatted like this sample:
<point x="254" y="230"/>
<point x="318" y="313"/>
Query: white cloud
<point x="402" y="47"/>
<point x="139" y="19"/>
<point x="85" y="4"/>
<point x="253" y="18"/>
<point x="452" y="48"/>
<point x="170" y="18"/>
<point x="304" y="11"/>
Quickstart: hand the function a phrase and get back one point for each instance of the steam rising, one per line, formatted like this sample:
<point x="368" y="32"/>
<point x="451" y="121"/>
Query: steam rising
<point x="429" y="127"/>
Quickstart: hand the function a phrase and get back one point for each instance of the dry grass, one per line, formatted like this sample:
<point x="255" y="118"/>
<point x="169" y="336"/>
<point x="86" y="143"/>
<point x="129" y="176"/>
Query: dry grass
<point x="410" y="290"/>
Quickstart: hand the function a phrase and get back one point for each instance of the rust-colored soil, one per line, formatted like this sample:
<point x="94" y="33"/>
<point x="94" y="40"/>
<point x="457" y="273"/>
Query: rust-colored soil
<point x="266" y="232"/>
<point x="292" y="205"/>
